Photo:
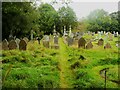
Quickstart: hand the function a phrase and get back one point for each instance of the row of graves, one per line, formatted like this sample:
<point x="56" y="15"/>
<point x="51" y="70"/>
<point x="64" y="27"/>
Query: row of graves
<point x="70" y="39"/>
<point x="14" y="43"/>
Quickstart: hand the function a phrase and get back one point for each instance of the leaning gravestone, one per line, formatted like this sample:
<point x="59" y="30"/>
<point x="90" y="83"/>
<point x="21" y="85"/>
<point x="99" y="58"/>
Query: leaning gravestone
<point x="5" y="45"/>
<point x="89" y="45"/>
<point x="55" y="39"/>
<point x="12" y="45"/>
<point x="22" y="45"/>
<point x="26" y="39"/>
<point x="100" y="42"/>
<point x="81" y="42"/>
<point x="107" y="45"/>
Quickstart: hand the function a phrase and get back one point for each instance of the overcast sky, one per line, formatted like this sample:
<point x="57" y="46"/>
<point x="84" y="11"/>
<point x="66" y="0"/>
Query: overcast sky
<point x="82" y="8"/>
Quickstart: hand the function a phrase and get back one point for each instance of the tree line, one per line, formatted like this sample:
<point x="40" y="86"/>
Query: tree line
<point x="20" y="18"/>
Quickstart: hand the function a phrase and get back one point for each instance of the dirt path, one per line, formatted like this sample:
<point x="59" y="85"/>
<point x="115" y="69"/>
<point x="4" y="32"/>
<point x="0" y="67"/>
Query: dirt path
<point x="65" y="73"/>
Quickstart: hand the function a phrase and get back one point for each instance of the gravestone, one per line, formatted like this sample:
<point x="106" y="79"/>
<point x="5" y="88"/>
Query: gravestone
<point x="46" y="44"/>
<point x="17" y="41"/>
<point x="89" y="45"/>
<point x="12" y="45"/>
<point x="70" y="41"/>
<point x="100" y="42"/>
<point x="110" y="37"/>
<point x="107" y="45"/>
<point x="26" y="39"/>
<point x="46" y="40"/>
<point x="55" y="39"/>
<point x="22" y="45"/>
<point x="81" y="42"/>
<point x="5" y="44"/>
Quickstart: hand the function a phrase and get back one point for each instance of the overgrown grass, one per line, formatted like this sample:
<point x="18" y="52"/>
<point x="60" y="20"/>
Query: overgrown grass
<point x="40" y="67"/>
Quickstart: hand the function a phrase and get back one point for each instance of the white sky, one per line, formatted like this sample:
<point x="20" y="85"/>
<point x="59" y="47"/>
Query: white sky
<point x="82" y="8"/>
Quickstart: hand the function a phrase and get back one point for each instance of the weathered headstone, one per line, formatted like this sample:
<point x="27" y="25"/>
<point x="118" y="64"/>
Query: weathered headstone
<point x="107" y="45"/>
<point x="26" y="39"/>
<point x="110" y="37"/>
<point x="89" y="45"/>
<point x="17" y="41"/>
<point x="46" y="40"/>
<point x="70" y="41"/>
<point x="55" y="39"/>
<point x="81" y="42"/>
<point x="5" y="45"/>
<point x="46" y="44"/>
<point x="12" y="45"/>
<point x="100" y="42"/>
<point x="22" y="45"/>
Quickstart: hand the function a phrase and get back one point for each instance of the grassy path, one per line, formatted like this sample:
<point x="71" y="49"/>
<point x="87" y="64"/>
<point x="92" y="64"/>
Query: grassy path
<point x="65" y="73"/>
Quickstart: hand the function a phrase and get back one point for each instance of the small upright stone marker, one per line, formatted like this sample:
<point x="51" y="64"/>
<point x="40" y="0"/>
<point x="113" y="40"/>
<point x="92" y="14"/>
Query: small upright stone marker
<point x="100" y="42"/>
<point x="89" y="45"/>
<point x="81" y="42"/>
<point x="107" y="45"/>
<point x="22" y="45"/>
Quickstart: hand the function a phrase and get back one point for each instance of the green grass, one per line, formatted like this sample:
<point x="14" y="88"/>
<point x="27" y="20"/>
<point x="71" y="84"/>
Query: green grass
<point x="66" y="67"/>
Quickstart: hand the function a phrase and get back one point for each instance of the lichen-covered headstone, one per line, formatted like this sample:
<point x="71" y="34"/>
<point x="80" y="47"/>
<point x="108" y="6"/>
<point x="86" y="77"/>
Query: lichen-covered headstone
<point x="22" y="45"/>
<point x="12" y="45"/>
<point x="89" y="45"/>
<point x="81" y="42"/>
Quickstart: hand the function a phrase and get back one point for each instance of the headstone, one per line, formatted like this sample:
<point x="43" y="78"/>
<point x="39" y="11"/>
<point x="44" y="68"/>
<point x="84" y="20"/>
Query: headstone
<point x="46" y="40"/>
<point x="12" y="45"/>
<point x="26" y="39"/>
<point x="5" y="45"/>
<point x="81" y="42"/>
<point x="22" y="45"/>
<point x="100" y="42"/>
<point x="107" y="45"/>
<point x="70" y="41"/>
<point x="55" y="39"/>
<point x="46" y="44"/>
<point x="89" y="45"/>
<point x="17" y="41"/>
<point x="110" y="37"/>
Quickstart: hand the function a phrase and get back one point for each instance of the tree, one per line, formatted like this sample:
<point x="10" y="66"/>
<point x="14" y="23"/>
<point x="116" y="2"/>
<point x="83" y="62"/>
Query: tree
<point x="18" y="19"/>
<point x="100" y="20"/>
<point x="67" y="17"/>
<point x="48" y="18"/>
